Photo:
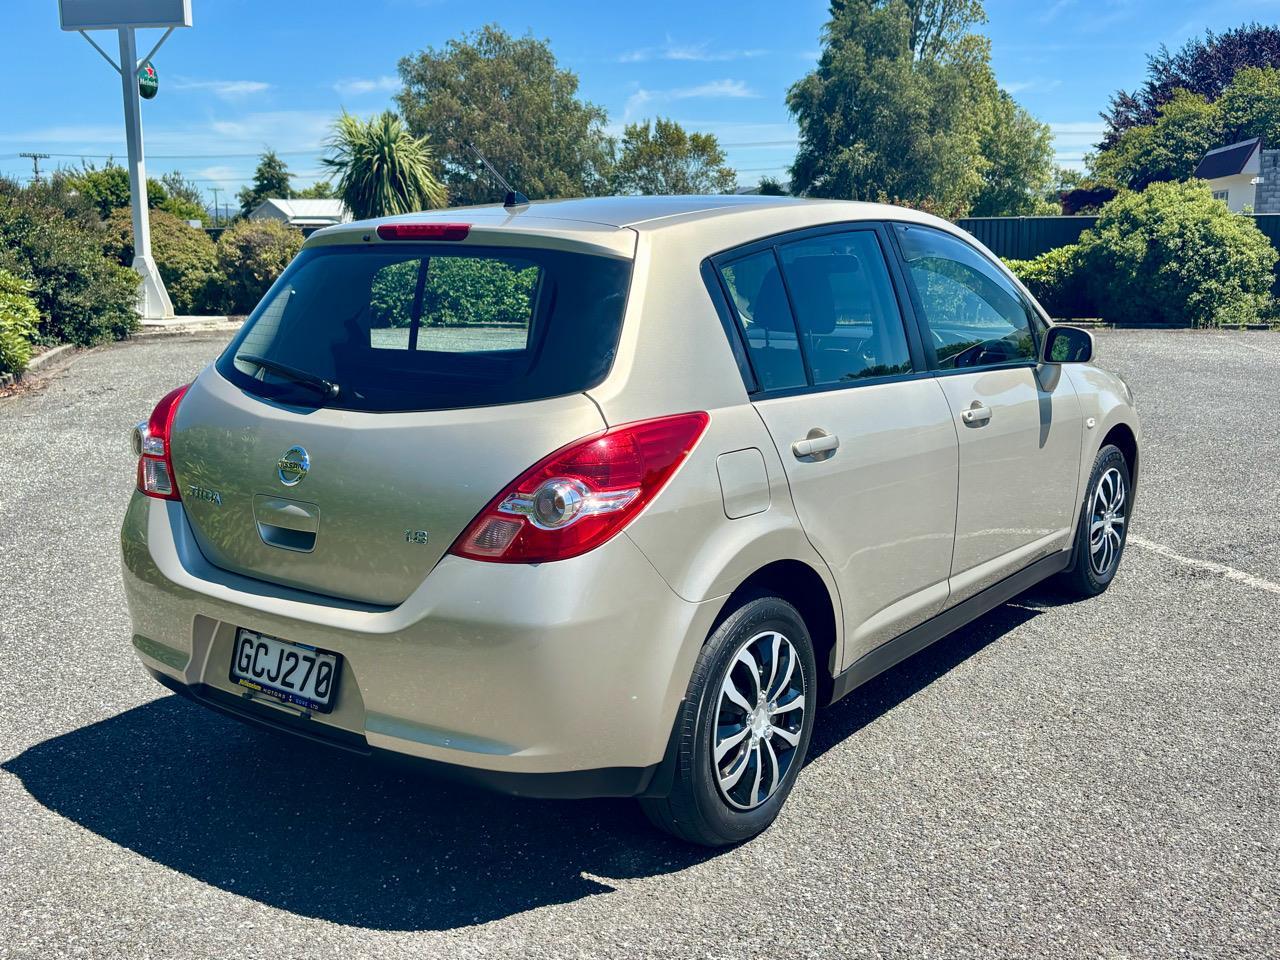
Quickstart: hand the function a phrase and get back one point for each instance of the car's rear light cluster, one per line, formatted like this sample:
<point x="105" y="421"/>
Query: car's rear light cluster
<point x="581" y="495"/>
<point x="151" y="444"/>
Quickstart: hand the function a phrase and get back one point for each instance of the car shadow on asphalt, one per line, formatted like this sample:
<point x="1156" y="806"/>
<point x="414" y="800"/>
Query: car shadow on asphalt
<point x="320" y="833"/>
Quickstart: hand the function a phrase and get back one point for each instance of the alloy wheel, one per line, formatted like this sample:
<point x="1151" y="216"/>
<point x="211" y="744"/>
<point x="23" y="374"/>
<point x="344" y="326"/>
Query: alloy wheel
<point x="1107" y="521"/>
<point x="759" y="720"/>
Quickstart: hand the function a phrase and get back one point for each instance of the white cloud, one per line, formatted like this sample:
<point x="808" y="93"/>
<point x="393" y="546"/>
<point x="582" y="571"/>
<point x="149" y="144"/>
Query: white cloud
<point x="698" y="52"/>
<point x="1032" y="85"/>
<point x="1072" y="140"/>
<point x="712" y="89"/>
<point x="224" y="89"/>
<point x="359" y="86"/>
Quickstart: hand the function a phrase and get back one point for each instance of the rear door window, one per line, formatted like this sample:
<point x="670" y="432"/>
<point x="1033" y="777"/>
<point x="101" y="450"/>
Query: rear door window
<point x="845" y="307"/>
<point x="417" y="327"/>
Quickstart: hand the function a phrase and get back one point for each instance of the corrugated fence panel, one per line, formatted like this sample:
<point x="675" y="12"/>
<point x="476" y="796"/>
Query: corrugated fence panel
<point x="1022" y="238"/>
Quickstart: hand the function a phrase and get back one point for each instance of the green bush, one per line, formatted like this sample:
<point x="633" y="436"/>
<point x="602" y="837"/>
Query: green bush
<point x="18" y="320"/>
<point x="460" y="291"/>
<point x="83" y="297"/>
<point x="186" y="257"/>
<point x="1057" y="279"/>
<point x="251" y="254"/>
<point x="1174" y="255"/>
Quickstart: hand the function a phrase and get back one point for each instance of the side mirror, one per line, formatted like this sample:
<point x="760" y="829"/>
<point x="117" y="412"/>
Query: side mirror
<point x="1067" y="345"/>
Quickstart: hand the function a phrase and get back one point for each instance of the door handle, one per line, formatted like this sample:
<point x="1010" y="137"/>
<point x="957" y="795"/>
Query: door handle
<point x="816" y="444"/>
<point x="977" y="414"/>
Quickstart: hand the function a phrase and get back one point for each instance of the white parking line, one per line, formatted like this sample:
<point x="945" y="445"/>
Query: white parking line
<point x="1231" y="573"/>
<point x="1251" y="346"/>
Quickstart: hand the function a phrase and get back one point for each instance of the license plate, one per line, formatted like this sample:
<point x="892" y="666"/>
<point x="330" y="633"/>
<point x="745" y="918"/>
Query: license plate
<point x="292" y="672"/>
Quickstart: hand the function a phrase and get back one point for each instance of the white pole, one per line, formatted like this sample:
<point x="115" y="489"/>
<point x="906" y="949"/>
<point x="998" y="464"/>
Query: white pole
<point x="153" y="299"/>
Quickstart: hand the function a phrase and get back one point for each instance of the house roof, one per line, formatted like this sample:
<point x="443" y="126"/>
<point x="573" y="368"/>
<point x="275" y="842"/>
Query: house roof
<point x="1227" y="161"/>
<point x="324" y="211"/>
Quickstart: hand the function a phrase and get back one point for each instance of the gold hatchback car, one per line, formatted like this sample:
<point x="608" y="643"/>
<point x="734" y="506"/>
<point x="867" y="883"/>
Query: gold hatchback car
<point x="607" y="497"/>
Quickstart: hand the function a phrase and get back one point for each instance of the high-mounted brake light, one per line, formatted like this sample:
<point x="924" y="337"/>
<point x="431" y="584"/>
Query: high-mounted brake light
<point x="151" y="444"/>
<point x="583" y="494"/>
<point x="424" y="231"/>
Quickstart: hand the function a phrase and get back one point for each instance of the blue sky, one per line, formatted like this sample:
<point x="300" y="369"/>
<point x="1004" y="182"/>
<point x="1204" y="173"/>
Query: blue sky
<point x="252" y="73"/>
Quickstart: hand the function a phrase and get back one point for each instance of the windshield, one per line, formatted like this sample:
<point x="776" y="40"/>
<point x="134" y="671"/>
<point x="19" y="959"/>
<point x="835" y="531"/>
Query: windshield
<point x="430" y="327"/>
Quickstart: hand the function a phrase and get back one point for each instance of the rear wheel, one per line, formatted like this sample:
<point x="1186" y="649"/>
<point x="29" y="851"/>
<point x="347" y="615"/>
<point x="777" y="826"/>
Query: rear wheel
<point x="744" y="727"/>
<point x="1103" y="527"/>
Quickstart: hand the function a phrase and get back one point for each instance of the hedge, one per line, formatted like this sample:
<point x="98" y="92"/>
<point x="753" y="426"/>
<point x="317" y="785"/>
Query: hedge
<point x="186" y="257"/>
<point x="251" y="254"/>
<point x="54" y="243"/>
<point x="18" y="320"/>
<point x="1170" y="254"/>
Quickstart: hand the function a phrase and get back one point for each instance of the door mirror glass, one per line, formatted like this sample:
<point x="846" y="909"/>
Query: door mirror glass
<point x="1067" y="345"/>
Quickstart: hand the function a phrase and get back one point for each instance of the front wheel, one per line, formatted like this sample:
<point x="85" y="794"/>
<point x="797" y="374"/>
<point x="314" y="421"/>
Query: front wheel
<point x="743" y="729"/>
<point x="1103" y="528"/>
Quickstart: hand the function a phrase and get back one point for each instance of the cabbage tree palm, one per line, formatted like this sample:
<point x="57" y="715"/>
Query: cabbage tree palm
<point x="381" y="168"/>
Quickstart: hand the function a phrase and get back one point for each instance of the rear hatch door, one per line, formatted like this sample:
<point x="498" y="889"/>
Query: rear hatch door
<point x="380" y="396"/>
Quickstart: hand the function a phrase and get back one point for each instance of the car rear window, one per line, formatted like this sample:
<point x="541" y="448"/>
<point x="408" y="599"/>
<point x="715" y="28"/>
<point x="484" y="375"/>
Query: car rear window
<point x="431" y="327"/>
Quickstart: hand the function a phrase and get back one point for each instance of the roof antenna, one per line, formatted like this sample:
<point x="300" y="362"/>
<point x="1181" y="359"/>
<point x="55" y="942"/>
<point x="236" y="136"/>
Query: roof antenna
<point x="514" y="197"/>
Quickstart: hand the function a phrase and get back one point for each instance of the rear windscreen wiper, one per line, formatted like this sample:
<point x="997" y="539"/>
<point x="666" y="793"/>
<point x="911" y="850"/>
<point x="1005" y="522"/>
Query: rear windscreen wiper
<point x="325" y="388"/>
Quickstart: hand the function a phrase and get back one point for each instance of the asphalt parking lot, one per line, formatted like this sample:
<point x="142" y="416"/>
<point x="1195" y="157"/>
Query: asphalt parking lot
<point x="1094" y="780"/>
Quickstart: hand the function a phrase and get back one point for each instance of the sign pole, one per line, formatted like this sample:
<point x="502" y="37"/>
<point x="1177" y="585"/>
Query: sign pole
<point x="153" y="299"/>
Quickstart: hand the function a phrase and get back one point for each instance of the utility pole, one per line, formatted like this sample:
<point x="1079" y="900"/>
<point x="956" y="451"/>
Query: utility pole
<point x="215" y="191"/>
<point x="35" y="159"/>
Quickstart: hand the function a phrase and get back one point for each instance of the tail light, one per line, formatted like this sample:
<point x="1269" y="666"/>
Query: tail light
<point x="151" y="444"/>
<point x="581" y="495"/>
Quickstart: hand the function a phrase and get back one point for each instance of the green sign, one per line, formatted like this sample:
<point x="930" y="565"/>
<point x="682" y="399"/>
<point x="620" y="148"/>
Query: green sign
<point x="148" y="81"/>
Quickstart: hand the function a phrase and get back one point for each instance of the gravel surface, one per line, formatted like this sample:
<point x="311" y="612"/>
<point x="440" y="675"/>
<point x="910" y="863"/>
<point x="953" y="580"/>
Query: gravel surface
<point x="1092" y="780"/>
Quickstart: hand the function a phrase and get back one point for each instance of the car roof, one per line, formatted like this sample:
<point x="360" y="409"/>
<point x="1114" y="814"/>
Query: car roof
<point x="605" y="223"/>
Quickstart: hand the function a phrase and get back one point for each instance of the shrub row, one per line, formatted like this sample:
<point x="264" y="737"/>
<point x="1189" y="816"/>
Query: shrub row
<point x="201" y="276"/>
<point x="1170" y="254"/>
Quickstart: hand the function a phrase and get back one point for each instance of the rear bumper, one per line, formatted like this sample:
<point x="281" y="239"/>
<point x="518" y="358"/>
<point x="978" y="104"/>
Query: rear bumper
<point x="560" y="679"/>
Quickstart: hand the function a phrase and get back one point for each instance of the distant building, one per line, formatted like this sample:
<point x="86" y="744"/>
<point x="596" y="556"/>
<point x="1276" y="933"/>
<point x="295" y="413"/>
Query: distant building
<point x="306" y="215"/>
<point x="1244" y="174"/>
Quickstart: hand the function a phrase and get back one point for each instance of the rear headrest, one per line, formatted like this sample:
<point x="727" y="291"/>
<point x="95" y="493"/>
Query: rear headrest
<point x="810" y="282"/>
<point x="769" y="308"/>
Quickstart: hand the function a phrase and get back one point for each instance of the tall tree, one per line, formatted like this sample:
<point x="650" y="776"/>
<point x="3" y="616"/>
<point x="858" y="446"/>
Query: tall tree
<point x="663" y="157"/>
<point x="382" y="168"/>
<point x="271" y="181"/>
<point x="1205" y="66"/>
<point x="1019" y="173"/>
<point x="1186" y="127"/>
<point x="897" y="105"/>
<point x="507" y="99"/>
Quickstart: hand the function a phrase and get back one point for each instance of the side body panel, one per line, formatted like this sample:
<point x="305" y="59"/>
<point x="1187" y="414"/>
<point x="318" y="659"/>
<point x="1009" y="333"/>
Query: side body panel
<point x="1018" y="471"/>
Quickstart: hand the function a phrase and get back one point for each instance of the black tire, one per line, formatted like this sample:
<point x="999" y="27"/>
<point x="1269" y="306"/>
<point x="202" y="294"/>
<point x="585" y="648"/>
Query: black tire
<point x="1088" y="576"/>
<point x="697" y="810"/>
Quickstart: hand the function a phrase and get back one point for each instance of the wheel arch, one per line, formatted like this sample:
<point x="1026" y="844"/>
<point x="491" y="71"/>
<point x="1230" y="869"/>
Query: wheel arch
<point x="1126" y="441"/>
<point x="804" y="588"/>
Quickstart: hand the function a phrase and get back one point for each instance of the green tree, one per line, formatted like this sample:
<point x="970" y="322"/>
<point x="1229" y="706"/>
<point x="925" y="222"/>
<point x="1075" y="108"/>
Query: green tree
<point x="1251" y="106"/>
<point x="1186" y="127"/>
<point x="381" y="168"/>
<point x="772" y="187"/>
<point x="184" y="199"/>
<point x="1018" y="149"/>
<point x="897" y="106"/>
<point x="271" y="181"/>
<point x="508" y="99"/>
<point x="107" y="187"/>
<point x="663" y="157"/>
<point x="320" y="190"/>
